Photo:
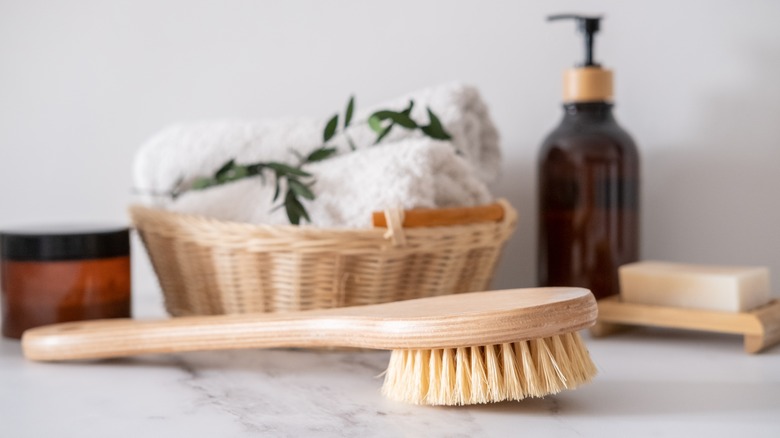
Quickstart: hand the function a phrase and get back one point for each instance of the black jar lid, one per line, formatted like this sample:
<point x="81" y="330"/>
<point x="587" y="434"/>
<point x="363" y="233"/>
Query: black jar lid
<point x="73" y="242"/>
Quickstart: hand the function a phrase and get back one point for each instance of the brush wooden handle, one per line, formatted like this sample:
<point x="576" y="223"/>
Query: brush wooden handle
<point x="437" y="217"/>
<point x="463" y="320"/>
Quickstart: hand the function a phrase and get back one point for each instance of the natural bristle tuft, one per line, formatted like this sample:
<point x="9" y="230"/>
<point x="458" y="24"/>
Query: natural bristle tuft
<point x="491" y="373"/>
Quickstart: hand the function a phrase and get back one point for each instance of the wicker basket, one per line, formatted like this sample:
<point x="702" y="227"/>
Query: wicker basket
<point x="207" y="266"/>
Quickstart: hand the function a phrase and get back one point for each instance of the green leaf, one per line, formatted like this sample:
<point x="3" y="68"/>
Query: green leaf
<point x="383" y="114"/>
<point x="278" y="184"/>
<point x="239" y="172"/>
<point x="320" y="154"/>
<point x="224" y="169"/>
<point x="300" y="189"/>
<point x="435" y="128"/>
<point x="330" y="128"/>
<point x="203" y="183"/>
<point x="302" y="209"/>
<point x="231" y="171"/>
<point x="351" y="143"/>
<point x="383" y="134"/>
<point x="295" y="210"/>
<point x="255" y="169"/>
<point x="348" y="113"/>
<point x="293" y="213"/>
<point x="404" y="120"/>
<point x="408" y="110"/>
<point x="287" y="169"/>
<point x="305" y="213"/>
<point x="399" y="118"/>
<point x="375" y="123"/>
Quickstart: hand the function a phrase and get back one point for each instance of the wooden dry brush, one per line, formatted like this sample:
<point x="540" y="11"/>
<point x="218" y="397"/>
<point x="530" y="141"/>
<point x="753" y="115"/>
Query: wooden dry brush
<point x="461" y="349"/>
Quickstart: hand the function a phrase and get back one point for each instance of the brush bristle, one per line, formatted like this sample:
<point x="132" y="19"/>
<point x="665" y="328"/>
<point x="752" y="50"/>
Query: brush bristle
<point x="491" y="373"/>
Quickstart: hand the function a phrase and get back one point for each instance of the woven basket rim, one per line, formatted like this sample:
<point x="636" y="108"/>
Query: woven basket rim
<point x="199" y="221"/>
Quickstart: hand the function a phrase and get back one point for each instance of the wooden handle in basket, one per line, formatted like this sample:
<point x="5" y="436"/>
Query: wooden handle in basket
<point x="437" y="217"/>
<point x="462" y="320"/>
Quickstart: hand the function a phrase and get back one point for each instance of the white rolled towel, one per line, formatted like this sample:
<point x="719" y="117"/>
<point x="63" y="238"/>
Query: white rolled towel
<point x="415" y="172"/>
<point x="185" y="152"/>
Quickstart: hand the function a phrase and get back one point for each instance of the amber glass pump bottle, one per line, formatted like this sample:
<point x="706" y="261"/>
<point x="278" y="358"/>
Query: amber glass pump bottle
<point x="588" y="183"/>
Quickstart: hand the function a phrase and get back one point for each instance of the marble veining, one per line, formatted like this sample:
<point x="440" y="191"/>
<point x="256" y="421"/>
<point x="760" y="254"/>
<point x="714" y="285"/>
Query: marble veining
<point x="651" y="383"/>
<point x="299" y="393"/>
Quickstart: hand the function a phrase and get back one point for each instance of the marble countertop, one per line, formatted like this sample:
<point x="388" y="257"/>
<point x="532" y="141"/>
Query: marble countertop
<point x="651" y="383"/>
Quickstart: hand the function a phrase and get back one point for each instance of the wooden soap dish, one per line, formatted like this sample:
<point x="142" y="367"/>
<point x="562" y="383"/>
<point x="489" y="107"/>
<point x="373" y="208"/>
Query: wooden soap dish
<point x="760" y="327"/>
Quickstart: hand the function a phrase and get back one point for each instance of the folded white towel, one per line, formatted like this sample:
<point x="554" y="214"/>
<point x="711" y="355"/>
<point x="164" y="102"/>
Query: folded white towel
<point x="185" y="152"/>
<point x="405" y="174"/>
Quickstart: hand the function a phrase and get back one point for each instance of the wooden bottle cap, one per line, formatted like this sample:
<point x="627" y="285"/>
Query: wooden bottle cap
<point x="587" y="84"/>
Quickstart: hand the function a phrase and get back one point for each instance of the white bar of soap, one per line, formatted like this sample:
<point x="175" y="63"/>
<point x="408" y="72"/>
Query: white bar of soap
<point x="721" y="288"/>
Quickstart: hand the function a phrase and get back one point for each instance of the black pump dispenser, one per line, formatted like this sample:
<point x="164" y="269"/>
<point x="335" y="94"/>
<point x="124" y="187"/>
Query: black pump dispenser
<point x="589" y="81"/>
<point x="588" y="26"/>
<point x="588" y="182"/>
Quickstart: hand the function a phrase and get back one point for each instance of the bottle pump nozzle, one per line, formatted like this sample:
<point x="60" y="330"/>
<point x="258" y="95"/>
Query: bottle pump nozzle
<point x="588" y="26"/>
<point x="588" y="82"/>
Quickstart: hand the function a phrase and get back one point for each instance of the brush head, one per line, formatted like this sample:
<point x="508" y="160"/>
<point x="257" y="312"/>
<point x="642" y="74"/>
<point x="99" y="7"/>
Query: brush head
<point x="490" y="373"/>
<point x="526" y="346"/>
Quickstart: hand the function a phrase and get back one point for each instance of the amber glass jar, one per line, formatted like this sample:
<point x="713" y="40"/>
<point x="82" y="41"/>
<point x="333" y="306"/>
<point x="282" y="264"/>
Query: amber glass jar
<point x="60" y="275"/>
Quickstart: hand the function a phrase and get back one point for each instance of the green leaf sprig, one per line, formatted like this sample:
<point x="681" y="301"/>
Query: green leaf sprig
<point x="297" y="183"/>
<point x="382" y="122"/>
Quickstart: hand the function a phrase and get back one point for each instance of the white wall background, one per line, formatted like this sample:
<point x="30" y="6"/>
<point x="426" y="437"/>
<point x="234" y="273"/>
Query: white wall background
<point x="83" y="83"/>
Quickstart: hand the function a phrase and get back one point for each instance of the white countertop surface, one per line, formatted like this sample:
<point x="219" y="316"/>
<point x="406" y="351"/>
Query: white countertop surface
<point x="651" y="383"/>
